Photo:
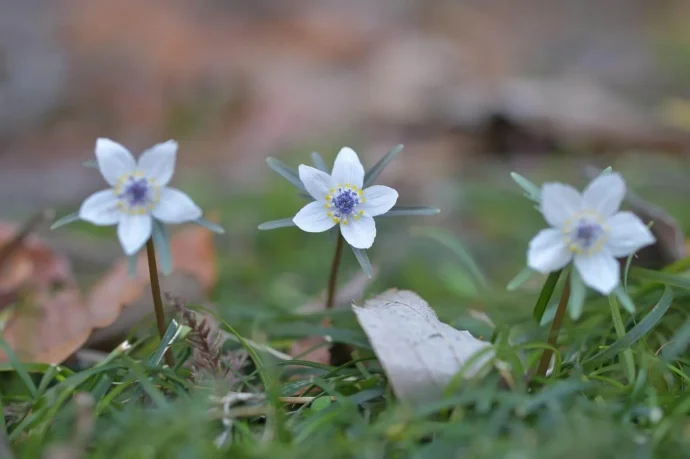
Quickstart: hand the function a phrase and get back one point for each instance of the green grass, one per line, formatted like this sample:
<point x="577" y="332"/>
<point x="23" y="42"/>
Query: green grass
<point x="619" y="390"/>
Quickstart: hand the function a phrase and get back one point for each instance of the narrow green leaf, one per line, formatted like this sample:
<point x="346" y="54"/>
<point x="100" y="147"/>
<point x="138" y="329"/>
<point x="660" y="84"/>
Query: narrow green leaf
<point x="319" y="162"/>
<point x="169" y="337"/>
<point x="545" y="295"/>
<point x="216" y="228"/>
<point x="522" y="277"/>
<point x="19" y="368"/>
<point x="532" y="191"/>
<point x="627" y="360"/>
<point x="363" y="261"/>
<point x="624" y="299"/>
<point x="161" y="241"/>
<point x="66" y="220"/>
<point x="447" y="239"/>
<point x="638" y="331"/>
<point x="373" y="173"/>
<point x="93" y="164"/>
<point x="678" y="343"/>
<point x="403" y="211"/>
<point x="286" y="172"/>
<point x="578" y="291"/>
<point x="273" y="224"/>
<point x="674" y="280"/>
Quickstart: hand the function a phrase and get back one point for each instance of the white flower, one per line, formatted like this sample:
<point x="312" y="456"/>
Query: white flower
<point x="339" y="199"/>
<point x="139" y="193"/>
<point x="588" y="228"/>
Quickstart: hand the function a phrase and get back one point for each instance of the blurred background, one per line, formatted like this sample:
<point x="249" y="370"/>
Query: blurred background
<point x="473" y="89"/>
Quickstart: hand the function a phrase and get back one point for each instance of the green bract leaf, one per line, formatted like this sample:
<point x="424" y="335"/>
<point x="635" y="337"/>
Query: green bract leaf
<point x="285" y="171"/>
<point x="161" y="240"/>
<point x="363" y="260"/>
<point x="319" y="162"/>
<point x="578" y="291"/>
<point x="545" y="295"/>
<point x="209" y="225"/>
<point x="67" y="219"/>
<point x="375" y="171"/>
<point x="273" y="224"/>
<point x="522" y="277"/>
<point x="402" y="211"/>
<point x="532" y="191"/>
<point x="624" y="299"/>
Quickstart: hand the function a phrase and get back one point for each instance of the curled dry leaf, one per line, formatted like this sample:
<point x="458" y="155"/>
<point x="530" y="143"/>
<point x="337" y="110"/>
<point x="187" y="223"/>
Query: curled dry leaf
<point x="118" y="301"/>
<point x="48" y="319"/>
<point x="419" y="353"/>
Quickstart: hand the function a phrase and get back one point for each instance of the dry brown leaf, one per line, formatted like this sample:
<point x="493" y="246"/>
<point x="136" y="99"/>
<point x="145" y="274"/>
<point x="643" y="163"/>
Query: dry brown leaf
<point x="118" y="300"/>
<point x="49" y="319"/>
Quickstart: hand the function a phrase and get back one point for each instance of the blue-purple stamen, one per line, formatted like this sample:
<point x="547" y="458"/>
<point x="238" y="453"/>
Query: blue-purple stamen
<point x="345" y="202"/>
<point x="136" y="192"/>
<point x="587" y="233"/>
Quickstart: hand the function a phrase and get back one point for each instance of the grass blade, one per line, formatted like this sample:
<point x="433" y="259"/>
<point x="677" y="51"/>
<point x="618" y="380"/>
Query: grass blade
<point x="19" y="368"/>
<point x="522" y="277"/>
<point x="678" y="343"/>
<point x="665" y="278"/>
<point x="639" y="330"/>
<point x="169" y="336"/>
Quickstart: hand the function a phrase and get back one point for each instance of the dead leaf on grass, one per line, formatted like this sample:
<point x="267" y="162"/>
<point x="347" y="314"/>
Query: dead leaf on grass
<point x="419" y="353"/>
<point x="47" y="319"/>
<point x="118" y="301"/>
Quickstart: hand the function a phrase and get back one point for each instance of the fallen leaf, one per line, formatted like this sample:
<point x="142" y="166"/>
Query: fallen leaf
<point x="419" y="353"/>
<point x="118" y="301"/>
<point x="47" y="319"/>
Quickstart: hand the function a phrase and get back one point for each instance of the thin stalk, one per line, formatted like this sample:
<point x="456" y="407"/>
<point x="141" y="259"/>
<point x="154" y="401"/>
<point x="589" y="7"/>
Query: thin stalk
<point x="333" y="278"/>
<point x="555" y="329"/>
<point x="157" y="300"/>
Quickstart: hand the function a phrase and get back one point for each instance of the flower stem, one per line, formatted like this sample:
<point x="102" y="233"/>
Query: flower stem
<point x="333" y="278"/>
<point x="157" y="300"/>
<point x="555" y="328"/>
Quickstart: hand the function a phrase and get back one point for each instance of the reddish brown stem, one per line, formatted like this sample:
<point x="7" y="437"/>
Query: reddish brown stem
<point x="555" y="329"/>
<point x="157" y="300"/>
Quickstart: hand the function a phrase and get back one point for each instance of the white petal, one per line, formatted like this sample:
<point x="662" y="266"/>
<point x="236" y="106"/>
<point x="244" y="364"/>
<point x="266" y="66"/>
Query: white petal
<point x="101" y="208"/>
<point x="548" y="252"/>
<point x="600" y="271"/>
<point x="313" y="218"/>
<point x="559" y="202"/>
<point x="379" y="199"/>
<point x="114" y="160"/>
<point x="347" y="168"/>
<point x="605" y="194"/>
<point x="359" y="233"/>
<point x="175" y="207"/>
<point x="158" y="162"/>
<point x="317" y="183"/>
<point x="627" y="234"/>
<point x="134" y="231"/>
